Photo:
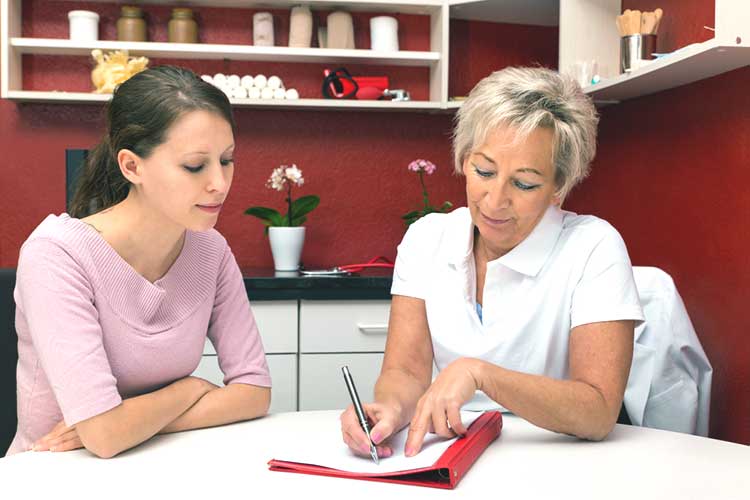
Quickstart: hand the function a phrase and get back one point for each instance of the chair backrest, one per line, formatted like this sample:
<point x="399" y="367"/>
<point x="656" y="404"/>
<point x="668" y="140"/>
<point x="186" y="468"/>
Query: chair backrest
<point x="8" y="359"/>
<point x="670" y="378"/>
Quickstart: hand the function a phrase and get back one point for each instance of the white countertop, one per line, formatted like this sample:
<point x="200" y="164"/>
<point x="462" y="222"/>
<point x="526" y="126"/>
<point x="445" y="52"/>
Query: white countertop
<point x="633" y="463"/>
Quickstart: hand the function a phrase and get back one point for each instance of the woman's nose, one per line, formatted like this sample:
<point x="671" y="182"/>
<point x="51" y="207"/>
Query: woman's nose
<point x="498" y="194"/>
<point x="219" y="179"/>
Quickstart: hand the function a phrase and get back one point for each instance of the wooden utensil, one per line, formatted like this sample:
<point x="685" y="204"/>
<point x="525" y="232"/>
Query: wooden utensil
<point x="648" y="23"/>
<point x="625" y="22"/>
<point x="635" y="22"/>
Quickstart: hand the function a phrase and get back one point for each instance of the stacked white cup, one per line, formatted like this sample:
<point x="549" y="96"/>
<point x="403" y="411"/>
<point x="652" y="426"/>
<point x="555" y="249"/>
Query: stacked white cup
<point x="251" y="87"/>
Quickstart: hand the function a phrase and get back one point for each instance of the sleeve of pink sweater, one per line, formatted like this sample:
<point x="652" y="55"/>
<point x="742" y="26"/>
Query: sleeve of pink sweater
<point x="58" y="303"/>
<point x="233" y="331"/>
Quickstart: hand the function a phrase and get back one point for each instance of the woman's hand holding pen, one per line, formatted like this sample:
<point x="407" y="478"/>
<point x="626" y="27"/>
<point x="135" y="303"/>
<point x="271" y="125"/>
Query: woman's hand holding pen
<point x="385" y="421"/>
<point x="438" y="410"/>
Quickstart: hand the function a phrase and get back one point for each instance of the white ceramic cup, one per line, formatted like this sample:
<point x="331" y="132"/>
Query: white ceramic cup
<point x="384" y="33"/>
<point x="84" y="25"/>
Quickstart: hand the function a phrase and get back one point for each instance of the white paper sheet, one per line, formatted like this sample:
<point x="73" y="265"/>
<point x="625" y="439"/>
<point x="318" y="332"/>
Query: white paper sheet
<point x="326" y="448"/>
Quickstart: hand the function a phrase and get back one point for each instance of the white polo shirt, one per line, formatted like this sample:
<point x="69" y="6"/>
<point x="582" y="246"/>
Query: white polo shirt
<point x="571" y="270"/>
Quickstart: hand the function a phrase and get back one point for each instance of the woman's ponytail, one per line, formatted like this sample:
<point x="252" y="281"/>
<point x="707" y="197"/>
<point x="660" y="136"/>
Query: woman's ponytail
<point x="101" y="183"/>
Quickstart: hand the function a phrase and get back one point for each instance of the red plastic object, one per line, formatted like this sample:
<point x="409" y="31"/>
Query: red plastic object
<point x="445" y="473"/>
<point x="378" y="261"/>
<point x="379" y="82"/>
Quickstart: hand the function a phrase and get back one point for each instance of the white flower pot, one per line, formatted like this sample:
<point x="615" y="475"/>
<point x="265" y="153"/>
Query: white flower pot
<point x="286" y="247"/>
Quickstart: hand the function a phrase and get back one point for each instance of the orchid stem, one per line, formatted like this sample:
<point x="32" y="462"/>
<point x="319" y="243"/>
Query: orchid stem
<point x="424" y="190"/>
<point x="289" y="202"/>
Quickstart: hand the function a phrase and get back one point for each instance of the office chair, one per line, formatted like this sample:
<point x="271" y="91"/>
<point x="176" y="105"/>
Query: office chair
<point x="670" y="378"/>
<point x="8" y="359"/>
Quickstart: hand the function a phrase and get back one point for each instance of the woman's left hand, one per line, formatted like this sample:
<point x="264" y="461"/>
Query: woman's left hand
<point x="438" y="410"/>
<point x="60" y="438"/>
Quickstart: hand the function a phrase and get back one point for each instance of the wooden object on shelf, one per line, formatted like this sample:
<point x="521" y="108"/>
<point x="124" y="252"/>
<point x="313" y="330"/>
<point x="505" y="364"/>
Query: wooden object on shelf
<point x="182" y="27"/>
<point x="340" y="31"/>
<point x="300" y="26"/>
<point x="131" y="27"/>
<point x="648" y="23"/>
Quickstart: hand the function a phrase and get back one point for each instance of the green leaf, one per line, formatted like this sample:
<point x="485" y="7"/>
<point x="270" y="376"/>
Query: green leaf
<point x="304" y="205"/>
<point x="447" y="205"/>
<point x="278" y="220"/>
<point x="298" y="221"/>
<point x="410" y="215"/>
<point x="262" y="213"/>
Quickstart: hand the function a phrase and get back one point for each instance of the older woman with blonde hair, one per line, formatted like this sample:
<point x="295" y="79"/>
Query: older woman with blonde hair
<point x="520" y="304"/>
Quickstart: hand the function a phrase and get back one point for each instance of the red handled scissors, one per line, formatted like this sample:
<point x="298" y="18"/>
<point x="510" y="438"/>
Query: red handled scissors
<point x="379" y="261"/>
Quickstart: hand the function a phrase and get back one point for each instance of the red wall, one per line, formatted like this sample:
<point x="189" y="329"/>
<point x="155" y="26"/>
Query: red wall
<point x="355" y="161"/>
<point x="671" y="174"/>
<point x="681" y="156"/>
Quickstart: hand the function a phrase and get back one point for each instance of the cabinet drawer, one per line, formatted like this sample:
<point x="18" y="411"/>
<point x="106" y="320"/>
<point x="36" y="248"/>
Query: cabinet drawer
<point x="322" y="384"/>
<point x="344" y="325"/>
<point x="277" y="323"/>
<point x="283" y="368"/>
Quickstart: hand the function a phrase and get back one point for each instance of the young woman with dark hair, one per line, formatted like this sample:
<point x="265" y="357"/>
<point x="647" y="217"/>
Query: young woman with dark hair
<point x="115" y="300"/>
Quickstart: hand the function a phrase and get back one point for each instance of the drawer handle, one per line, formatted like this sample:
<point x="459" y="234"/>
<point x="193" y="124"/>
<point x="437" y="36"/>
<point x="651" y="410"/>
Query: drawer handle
<point x="373" y="329"/>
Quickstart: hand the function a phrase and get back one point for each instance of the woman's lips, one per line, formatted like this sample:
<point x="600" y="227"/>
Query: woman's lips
<point x="211" y="208"/>
<point x="494" y="222"/>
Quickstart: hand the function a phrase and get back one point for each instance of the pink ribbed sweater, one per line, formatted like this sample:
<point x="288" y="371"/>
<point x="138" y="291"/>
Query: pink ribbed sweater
<point x="92" y="331"/>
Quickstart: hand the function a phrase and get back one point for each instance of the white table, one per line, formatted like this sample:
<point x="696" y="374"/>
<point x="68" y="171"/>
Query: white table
<point x="525" y="462"/>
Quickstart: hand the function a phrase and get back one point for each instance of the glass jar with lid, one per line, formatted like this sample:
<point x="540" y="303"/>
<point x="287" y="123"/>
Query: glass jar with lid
<point x="182" y="27"/>
<point x="131" y="27"/>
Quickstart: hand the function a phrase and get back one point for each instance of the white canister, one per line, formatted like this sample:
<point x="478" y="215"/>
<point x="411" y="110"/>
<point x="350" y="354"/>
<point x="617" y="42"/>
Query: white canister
<point x="263" y="29"/>
<point x="384" y="33"/>
<point x="84" y="25"/>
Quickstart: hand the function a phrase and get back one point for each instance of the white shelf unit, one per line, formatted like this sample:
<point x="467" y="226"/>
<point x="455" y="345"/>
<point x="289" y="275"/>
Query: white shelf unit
<point x="587" y="32"/>
<point x="728" y="50"/>
<point x="690" y="64"/>
<point x="13" y="47"/>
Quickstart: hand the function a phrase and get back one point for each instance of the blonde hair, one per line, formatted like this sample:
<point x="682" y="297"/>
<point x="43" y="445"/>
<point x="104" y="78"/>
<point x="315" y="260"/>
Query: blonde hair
<point x="525" y="99"/>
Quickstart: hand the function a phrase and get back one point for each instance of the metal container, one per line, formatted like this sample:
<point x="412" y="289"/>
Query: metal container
<point x="633" y="48"/>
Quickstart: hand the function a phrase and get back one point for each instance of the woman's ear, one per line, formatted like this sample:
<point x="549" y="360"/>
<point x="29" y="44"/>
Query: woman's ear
<point x="130" y="165"/>
<point x="557" y="199"/>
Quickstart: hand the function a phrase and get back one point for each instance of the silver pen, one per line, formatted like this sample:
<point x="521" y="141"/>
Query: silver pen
<point x="360" y="411"/>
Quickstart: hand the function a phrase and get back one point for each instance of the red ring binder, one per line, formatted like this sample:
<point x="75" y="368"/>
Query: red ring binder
<point x="445" y="473"/>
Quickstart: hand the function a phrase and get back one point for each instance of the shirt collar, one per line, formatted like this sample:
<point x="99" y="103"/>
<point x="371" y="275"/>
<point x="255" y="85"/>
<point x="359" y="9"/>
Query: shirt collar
<point x="527" y="257"/>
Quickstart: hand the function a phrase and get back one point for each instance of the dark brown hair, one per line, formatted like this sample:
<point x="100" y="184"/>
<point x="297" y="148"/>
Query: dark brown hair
<point x="138" y="117"/>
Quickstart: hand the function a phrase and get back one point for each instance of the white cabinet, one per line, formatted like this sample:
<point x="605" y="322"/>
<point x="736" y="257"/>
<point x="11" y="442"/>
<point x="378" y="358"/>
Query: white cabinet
<point x="337" y="333"/>
<point x="306" y="375"/>
<point x="343" y="325"/>
<point x="283" y="369"/>
<point x="277" y="323"/>
<point x="321" y="383"/>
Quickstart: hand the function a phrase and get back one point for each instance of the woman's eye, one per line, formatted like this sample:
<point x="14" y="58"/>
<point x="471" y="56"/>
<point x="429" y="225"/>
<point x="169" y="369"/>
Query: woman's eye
<point x="193" y="170"/>
<point x="482" y="173"/>
<point x="525" y="187"/>
<point x="226" y="163"/>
